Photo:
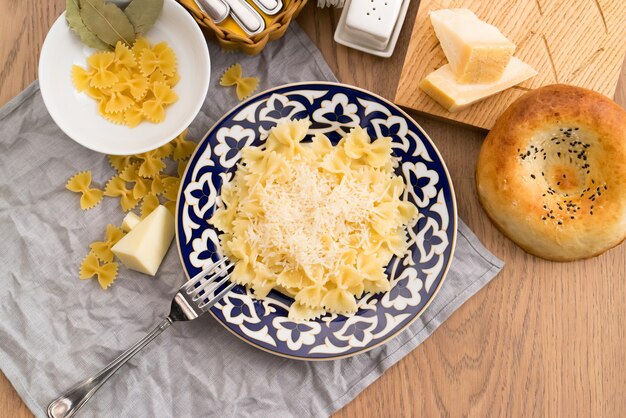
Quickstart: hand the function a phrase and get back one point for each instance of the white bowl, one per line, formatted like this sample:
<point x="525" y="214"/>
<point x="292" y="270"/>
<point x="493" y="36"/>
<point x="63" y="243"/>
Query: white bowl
<point x="77" y="114"/>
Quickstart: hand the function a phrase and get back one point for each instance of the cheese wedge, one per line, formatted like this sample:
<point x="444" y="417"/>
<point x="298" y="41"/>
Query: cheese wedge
<point x="442" y="85"/>
<point x="130" y="221"/>
<point x="476" y="51"/>
<point x="144" y="247"/>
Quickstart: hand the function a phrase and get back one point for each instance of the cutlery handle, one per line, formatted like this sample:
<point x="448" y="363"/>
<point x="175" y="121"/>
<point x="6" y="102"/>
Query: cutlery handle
<point x="216" y="9"/>
<point x="70" y="402"/>
<point x="246" y="17"/>
<point x="269" y="7"/>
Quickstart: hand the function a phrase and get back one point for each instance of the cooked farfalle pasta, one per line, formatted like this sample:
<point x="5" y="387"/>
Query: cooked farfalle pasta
<point x="106" y="273"/>
<point x="245" y="86"/>
<point x="102" y="249"/>
<point x="80" y="183"/>
<point x="130" y="84"/>
<point x="315" y="221"/>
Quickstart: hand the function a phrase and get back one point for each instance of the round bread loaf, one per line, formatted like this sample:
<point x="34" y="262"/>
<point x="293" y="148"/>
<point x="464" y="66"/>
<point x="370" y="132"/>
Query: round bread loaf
<point x="551" y="174"/>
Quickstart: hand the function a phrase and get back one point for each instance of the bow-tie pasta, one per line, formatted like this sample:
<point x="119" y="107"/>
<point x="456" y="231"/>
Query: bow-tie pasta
<point x="317" y="222"/>
<point x="80" y="183"/>
<point x="245" y="86"/>
<point x="144" y="180"/>
<point x="106" y="273"/>
<point x="130" y="84"/>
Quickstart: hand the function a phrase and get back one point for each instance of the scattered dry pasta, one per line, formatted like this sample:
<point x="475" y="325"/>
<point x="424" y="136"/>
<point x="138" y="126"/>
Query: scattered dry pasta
<point x="233" y="77"/>
<point x="150" y="203"/>
<point x="151" y="163"/>
<point x="148" y="187"/>
<point x="106" y="273"/>
<point x="117" y="187"/>
<point x="157" y="187"/>
<point x="170" y="188"/>
<point x="182" y="166"/>
<point x="120" y="162"/>
<point x="130" y="85"/>
<point x="182" y="148"/>
<point x="142" y="186"/>
<point x="80" y="183"/>
<point x="166" y="150"/>
<point x="315" y="221"/>
<point x="102" y="249"/>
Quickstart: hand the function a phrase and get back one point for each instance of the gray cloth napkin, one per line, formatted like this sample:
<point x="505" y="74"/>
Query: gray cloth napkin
<point x="57" y="329"/>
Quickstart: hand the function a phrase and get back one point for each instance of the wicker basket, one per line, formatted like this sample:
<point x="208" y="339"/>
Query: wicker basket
<point x="252" y="45"/>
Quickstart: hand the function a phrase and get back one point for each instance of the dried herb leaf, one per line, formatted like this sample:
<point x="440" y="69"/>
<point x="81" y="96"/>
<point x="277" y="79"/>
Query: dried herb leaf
<point x="107" y="21"/>
<point x="76" y="24"/>
<point x="143" y="13"/>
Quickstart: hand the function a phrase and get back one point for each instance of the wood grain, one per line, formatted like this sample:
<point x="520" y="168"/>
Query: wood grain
<point x="579" y="42"/>
<point x="542" y="339"/>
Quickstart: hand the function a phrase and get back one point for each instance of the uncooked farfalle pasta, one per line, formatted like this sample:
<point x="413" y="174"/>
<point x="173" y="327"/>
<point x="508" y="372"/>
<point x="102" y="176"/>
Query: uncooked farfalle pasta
<point x="81" y="183"/>
<point x="102" y="249"/>
<point x="130" y="84"/>
<point x="315" y="221"/>
<point x="140" y="180"/>
<point x="105" y="273"/>
<point x="233" y="76"/>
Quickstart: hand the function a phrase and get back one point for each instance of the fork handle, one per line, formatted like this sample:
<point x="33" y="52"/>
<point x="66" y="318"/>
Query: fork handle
<point x="68" y="404"/>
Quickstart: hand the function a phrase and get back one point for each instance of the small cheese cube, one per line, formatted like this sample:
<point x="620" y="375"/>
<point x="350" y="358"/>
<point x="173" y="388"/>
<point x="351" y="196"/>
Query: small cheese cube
<point x="144" y="247"/>
<point x="130" y="221"/>
<point x="476" y="51"/>
<point x="442" y="85"/>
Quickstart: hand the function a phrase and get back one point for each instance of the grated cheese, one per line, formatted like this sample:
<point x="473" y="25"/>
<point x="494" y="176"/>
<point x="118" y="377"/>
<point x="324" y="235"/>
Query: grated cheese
<point x="311" y="217"/>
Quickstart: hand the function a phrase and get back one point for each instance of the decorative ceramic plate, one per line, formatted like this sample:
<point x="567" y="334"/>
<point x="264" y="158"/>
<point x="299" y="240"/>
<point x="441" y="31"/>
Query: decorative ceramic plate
<point x="77" y="114"/>
<point x="415" y="278"/>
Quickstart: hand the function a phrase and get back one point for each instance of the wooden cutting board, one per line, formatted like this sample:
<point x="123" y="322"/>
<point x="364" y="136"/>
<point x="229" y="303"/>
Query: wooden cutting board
<point x="579" y="42"/>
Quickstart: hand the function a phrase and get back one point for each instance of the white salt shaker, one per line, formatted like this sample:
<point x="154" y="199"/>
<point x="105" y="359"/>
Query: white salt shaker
<point x="371" y="26"/>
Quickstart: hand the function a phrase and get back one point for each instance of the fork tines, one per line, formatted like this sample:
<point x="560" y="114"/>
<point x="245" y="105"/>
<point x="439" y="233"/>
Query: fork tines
<point x="209" y="280"/>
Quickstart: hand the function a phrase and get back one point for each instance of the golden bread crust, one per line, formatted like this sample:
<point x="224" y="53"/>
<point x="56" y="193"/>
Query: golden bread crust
<point x="551" y="174"/>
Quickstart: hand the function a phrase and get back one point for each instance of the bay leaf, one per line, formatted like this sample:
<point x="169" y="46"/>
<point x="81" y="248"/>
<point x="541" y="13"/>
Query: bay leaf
<point x="107" y="21"/>
<point x="143" y="13"/>
<point x="76" y="24"/>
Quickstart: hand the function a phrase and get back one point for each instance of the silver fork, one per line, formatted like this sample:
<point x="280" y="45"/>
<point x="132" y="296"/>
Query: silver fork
<point x="192" y="300"/>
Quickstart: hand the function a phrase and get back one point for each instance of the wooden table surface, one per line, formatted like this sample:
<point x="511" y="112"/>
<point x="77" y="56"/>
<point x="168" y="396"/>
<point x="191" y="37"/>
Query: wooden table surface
<point x="542" y="339"/>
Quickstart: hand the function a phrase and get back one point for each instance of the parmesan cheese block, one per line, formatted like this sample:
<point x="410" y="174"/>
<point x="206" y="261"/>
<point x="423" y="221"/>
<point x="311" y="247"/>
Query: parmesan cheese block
<point x="442" y="85"/>
<point x="476" y="51"/>
<point x="144" y="247"/>
<point x="130" y="221"/>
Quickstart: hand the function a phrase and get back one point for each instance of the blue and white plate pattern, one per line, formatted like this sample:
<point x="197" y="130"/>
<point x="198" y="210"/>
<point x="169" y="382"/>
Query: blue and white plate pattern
<point x="333" y="109"/>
